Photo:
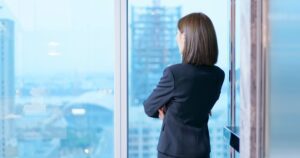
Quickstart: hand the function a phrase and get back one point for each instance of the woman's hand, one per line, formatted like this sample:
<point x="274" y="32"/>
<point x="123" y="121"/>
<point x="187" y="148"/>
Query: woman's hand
<point x="161" y="113"/>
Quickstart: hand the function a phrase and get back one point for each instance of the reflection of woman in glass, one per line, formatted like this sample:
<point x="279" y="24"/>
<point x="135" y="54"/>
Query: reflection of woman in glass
<point x="187" y="92"/>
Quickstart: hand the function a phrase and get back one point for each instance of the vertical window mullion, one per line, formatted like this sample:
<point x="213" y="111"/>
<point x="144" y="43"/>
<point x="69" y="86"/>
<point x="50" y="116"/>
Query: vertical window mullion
<point x="121" y="85"/>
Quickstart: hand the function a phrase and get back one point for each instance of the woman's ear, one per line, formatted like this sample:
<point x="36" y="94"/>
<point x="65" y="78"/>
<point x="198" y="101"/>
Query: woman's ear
<point x="182" y="37"/>
<point x="182" y="40"/>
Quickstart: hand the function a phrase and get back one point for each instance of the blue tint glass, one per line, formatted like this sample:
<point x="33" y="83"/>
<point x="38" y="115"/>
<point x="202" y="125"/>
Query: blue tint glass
<point x="284" y="55"/>
<point x="152" y="27"/>
<point x="56" y="78"/>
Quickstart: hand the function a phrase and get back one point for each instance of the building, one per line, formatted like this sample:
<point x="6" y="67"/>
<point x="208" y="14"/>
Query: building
<point x="6" y="83"/>
<point x="219" y="148"/>
<point x="143" y="134"/>
<point x="153" y="47"/>
<point x="153" y="32"/>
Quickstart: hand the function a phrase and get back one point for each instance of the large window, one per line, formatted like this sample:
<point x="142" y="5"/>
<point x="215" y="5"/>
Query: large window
<point x="56" y="78"/>
<point x="152" y="27"/>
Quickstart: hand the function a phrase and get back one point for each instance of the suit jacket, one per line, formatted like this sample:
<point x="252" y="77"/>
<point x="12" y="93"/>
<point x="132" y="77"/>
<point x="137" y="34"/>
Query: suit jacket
<point x="189" y="93"/>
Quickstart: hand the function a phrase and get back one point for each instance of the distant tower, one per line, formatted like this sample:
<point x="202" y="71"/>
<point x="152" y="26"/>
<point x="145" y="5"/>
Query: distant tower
<point x="6" y="81"/>
<point x="153" y="47"/>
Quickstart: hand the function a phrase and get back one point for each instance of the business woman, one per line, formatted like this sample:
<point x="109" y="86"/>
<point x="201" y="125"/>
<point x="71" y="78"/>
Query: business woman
<point x="187" y="92"/>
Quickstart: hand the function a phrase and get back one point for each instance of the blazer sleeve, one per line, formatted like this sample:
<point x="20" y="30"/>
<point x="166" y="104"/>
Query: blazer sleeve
<point x="161" y="95"/>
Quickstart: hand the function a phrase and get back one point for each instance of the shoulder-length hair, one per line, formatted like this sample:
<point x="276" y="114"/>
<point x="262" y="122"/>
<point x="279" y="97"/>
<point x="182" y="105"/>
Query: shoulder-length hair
<point x="200" y="47"/>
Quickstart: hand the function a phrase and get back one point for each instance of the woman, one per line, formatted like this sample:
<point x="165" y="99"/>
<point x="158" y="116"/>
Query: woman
<point x="187" y="92"/>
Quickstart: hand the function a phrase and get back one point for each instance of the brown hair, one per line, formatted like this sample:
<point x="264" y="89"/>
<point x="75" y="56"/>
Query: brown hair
<point x="200" y="47"/>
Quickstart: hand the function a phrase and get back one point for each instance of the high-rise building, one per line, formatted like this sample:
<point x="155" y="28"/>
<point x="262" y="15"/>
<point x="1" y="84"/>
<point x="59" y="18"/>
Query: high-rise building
<point x="153" y="47"/>
<point x="218" y="145"/>
<point x="153" y="30"/>
<point x="143" y="134"/>
<point x="6" y="83"/>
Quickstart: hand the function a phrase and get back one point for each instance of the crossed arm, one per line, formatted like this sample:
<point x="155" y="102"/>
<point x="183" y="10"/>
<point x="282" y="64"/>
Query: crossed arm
<point x="161" y="95"/>
<point x="154" y="105"/>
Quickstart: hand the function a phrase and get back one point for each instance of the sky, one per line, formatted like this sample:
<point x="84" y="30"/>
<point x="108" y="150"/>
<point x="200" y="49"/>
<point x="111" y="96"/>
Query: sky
<point x="62" y="36"/>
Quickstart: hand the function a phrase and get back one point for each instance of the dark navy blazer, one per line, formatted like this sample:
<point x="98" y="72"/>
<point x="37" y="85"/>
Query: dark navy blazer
<point x="189" y="93"/>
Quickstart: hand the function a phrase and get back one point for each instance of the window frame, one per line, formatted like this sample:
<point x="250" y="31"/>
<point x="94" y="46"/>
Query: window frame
<point x="120" y="82"/>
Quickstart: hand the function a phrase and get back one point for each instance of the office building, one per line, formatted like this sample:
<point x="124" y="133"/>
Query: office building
<point x="153" y="32"/>
<point x="6" y="84"/>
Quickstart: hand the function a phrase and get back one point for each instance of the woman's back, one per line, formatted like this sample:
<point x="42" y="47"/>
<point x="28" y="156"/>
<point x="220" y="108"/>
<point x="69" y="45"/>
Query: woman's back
<point x="189" y="93"/>
<point x="196" y="89"/>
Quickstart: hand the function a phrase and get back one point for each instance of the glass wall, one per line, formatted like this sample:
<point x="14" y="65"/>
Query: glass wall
<point x="152" y="27"/>
<point x="284" y="67"/>
<point x="56" y="78"/>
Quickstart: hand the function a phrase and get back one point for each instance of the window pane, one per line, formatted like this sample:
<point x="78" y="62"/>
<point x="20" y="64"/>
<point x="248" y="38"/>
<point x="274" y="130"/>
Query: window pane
<point x="152" y="27"/>
<point x="56" y="78"/>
